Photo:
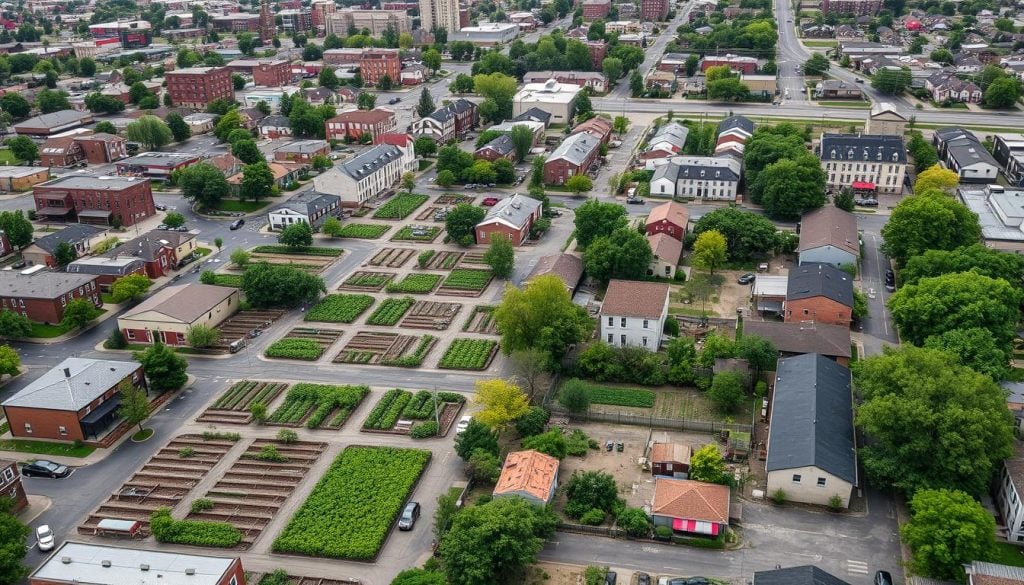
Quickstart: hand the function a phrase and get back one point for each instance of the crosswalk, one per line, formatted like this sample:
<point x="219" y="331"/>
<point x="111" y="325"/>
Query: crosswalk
<point x="856" y="567"/>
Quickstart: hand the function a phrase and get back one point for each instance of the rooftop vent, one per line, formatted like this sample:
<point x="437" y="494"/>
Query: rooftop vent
<point x="66" y="560"/>
<point x="190" y="571"/>
<point x="105" y="563"/>
<point x="144" y="567"/>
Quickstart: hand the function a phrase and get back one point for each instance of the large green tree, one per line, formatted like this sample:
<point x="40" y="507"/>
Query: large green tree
<point x="179" y="128"/>
<point x="769" y="145"/>
<point x="932" y="422"/>
<point x="911" y="229"/>
<point x="14" y="324"/>
<point x="10" y="361"/>
<point x="203" y="184"/>
<point x="1003" y="93"/>
<point x="23" y="148"/>
<point x="164" y="368"/>
<point x="541" y="316"/>
<point x="13" y="535"/>
<point x="973" y="258"/>
<point x="150" y="132"/>
<point x="624" y="254"/>
<point x="460" y="223"/>
<point x="709" y="251"/>
<point x="130" y="288"/>
<point x="477" y="436"/>
<point x="595" y="219"/>
<point x="749" y="235"/>
<point x="891" y="81"/>
<point x="269" y="285"/>
<point x="257" y="181"/>
<point x="790" y="187"/>
<point x="79" y="313"/>
<point x="500" y="256"/>
<point x="974" y="348"/>
<point x="947" y="529"/>
<point x="296" y="235"/>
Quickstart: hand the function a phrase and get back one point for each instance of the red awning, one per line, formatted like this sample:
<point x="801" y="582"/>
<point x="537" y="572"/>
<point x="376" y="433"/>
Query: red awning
<point x="864" y="186"/>
<point x="695" y="526"/>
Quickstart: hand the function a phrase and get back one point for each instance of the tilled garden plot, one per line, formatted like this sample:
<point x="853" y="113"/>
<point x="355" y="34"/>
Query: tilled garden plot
<point x="162" y="482"/>
<point x="453" y="199"/>
<point x="481" y="320"/>
<point x="312" y="264"/>
<point x="474" y="260"/>
<point x="255" y="487"/>
<point x="366" y="280"/>
<point x="443" y="260"/>
<point x="233" y="406"/>
<point x="430" y="315"/>
<point x="392" y="257"/>
<point x="242" y="323"/>
<point x="462" y="282"/>
<point x="257" y="578"/>
<point x="387" y="349"/>
<point x="429" y="213"/>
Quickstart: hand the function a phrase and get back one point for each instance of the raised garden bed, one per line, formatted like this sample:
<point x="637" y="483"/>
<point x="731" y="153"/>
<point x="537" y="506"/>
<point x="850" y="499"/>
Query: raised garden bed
<point x="402" y="405"/>
<point x="387" y="349"/>
<point x="303" y="343"/>
<point x="366" y="280"/>
<point x="429" y="213"/>
<point x="233" y="406"/>
<point x="481" y="320"/>
<point x="310" y="251"/>
<point x="431" y="315"/>
<point x="365" y="231"/>
<point x="438" y="260"/>
<point x="392" y="257"/>
<point x="420" y="233"/>
<point x="415" y="284"/>
<point x="242" y="324"/>
<point x="400" y="206"/>
<point x="283" y="255"/>
<point x="463" y="282"/>
<point x="318" y="405"/>
<point x="453" y="199"/>
<point x="390" y="311"/>
<point x="469" y="354"/>
<point x="473" y="261"/>
<point x="340" y="308"/>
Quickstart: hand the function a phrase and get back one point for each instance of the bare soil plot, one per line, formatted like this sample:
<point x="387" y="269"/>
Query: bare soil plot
<point x="453" y="199"/>
<point x="442" y="260"/>
<point x="232" y="407"/>
<point x="366" y="280"/>
<point x="430" y="315"/>
<point x="313" y="264"/>
<point x="243" y="323"/>
<point x="255" y="487"/>
<point x="481" y="320"/>
<point x="162" y="482"/>
<point x="387" y="349"/>
<point x="429" y="213"/>
<point x="392" y="257"/>
<point x="259" y="579"/>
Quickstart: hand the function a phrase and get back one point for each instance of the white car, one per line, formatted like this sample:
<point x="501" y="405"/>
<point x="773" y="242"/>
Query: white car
<point x="44" y="537"/>
<point x="463" y="424"/>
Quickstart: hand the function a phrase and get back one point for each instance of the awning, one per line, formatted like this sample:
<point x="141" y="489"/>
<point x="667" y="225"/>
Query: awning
<point x="695" y="526"/>
<point x="94" y="213"/>
<point x="864" y="186"/>
<point x="102" y="410"/>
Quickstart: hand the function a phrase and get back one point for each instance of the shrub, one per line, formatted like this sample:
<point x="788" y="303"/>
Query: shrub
<point x="663" y="533"/>
<point x="484" y="466"/>
<point x="425" y="430"/>
<point x="533" y="422"/>
<point x="192" y="532"/>
<point x="270" y="453"/>
<point x="259" y="412"/>
<point x="424" y="258"/>
<point x="835" y="503"/>
<point x="550" y="443"/>
<point x="116" y="340"/>
<point x="635" y="522"/>
<point x="186" y="452"/>
<point x="578" y="443"/>
<point x="592" y="517"/>
<point x="287" y="436"/>
<point x="214" y="436"/>
<point x="779" y="496"/>
<point x="201" y="505"/>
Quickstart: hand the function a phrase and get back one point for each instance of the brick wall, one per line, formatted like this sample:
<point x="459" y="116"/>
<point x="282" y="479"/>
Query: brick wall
<point x="819" y="310"/>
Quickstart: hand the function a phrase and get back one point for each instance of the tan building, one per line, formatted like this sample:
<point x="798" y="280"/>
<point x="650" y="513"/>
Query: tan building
<point x="667" y="251"/>
<point x="170" y="313"/>
<point x="884" y="119"/>
<point x="870" y="163"/>
<point x="22" y="178"/>
<point x="377" y="21"/>
<point x="440" y="14"/>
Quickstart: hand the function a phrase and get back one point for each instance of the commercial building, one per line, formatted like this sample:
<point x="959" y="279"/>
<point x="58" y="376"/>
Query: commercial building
<point x="531" y="475"/>
<point x="1008" y="151"/>
<point x="820" y="293"/>
<point x="236" y="22"/>
<point x="449" y="122"/>
<point x="1000" y="212"/>
<point x="633" y="314"/>
<point x="303" y="151"/>
<point x="43" y="295"/>
<point x="22" y="178"/>
<point x="171" y="312"/>
<point x="962" y="152"/>
<point x="740" y="64"/>
<point x="596" y="81"/>
<point x="355" y="123"/>
<point x="885" y="119"/>
<point x="320" y="12"/>
<point x="50" y="124"/>
<point x="158" y="165"/>
<point x="374" y="64"/>
<point x="75" y="562"/>
<point x="878" y="162"/>
<point x="95" y="200"/>
<point x="64" y="151"/>
<point x="196" y="87"/>
<point x="377" y="21"/>
<point x="132" y="34"/>
<point x="576" y="155"/>
<point x="310" y="208"/>
<point x="488" y="34"/>
<point x="435" y="14"/>
<point x="829" y="234"/>
<point x="557" y="99"/>
<point x="511" y="218"/>
<point x="367" y="175"/>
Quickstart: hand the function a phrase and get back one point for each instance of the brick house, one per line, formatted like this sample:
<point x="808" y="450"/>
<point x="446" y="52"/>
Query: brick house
<point x="376" y="63"/>
<point x="264" y="72"/>
<point x="596" y="9"/>
<point x="75" y="401"/>
<point x="95" y="200"/>
<point x="598" y="50"/>
<point x="102" y="148"/>
<point x="41" y="297"/>
<point x="170" y="313"/>
<point x="820" y="293"/>
<point x="196" y="87"/>
<point x="670" y="218"/>
<point x="500" y="147"/>
<point x="511" y="218"/>
<point x="574" y="156"/>
<point x="448" y="122"/>
<point x="745" y="65"/>
<point x="355" y="123"/>
<point x="61" y="151"/>
<point x="831" y="341"/>
<point x="77" y="562"/>
<point x="10" y="485"/>
<point x="161" y="250"/>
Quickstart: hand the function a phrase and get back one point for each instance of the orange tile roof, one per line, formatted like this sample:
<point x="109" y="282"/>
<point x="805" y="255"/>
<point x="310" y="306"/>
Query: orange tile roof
<point x="529" y="472"/>
<point x="672" y="211"/>
<point x="670" y="452"/>
<point x="691" y="500"/>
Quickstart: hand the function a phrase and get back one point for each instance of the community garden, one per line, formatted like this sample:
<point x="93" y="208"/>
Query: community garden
<point x="422" y="415"/>
<point x="233" y="407"/>
<point x="386" y="349"/>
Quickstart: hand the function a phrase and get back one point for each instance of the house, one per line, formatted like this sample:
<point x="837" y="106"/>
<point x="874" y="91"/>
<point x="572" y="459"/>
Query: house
<point x="274" y="126"/>
<point x="10" y="485"/>
<point x="16" y="179"/>
<point x="666" y="253"/>
<point x="54" y="123"/>
<point x="829" y="234"/>
<point x="60" y="151"/>
<point x="658" y="80"/>
<point x="309" y="207"/>
<point x="1008" y="150"/>
<point x="500" y="147"/>
<point x="75" y="401"/>
<point x="597" y="82"/>
<point x="967" y="64"/>
<point x="367" y="175"/>
<point x="318" y="96"/>
<point x="531" y="475"/>
<point x="511" y="218"/>
<point x="802" y="575"/>
<point x="962" y="152"/>
<point x="449" y="122"/>
<point x="534" y="115"/>
<point x="982" y="573"/>
<point x="885" y="119"/>
<point x="1000" y="214"/>
<point x="76" y="562"/>
<point x="227" y="163"/>
<point x="1009" y="493"/>
<point x="821" y="293"/>
<point x="945" y="86"/>
<point x="95" y="200"/>
<point x="670" y="460"/>
<point x="107" y="270"/>
<point x="789" y="339"/>
<point x="836" y="89"/>
<point x="764" y="86"/>
<point x="567" y="267"/>
<point x="670" y="218"/>
<point x="633" y="314"/>
<point x="812" y="452"/>
<point x="701" y="177"/>
<point x="768" y="293"/>
<point x="160" y="250"/>
<point x="41" y="295"/>
<point x="692" y="507"/>
<point x="200" y="122"/>
<point x="877" y="161"/>
<point x="43" y="251"/>
<point x="673" y="62"/>
<point x="158" y="165"/>
<point x="413" y="74"/>
<point x="668" y="141"/>
<point x="557" y="99"/>
<point x="597" y="127"/>
<point x="353" y="124"/>
<point x="283" y="173"/>
<point x="301" y="150"/>
<point x="172" y="311"/>
<point x="574" y="156"/>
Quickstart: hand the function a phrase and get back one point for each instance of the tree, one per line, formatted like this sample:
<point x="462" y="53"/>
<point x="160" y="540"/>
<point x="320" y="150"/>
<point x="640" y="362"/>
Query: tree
<point x="636" y="83"/>
<point x="747" y="234"/>
<point x="579" y="184"/>
<point x="620" y="124"/>
<point x="297" y="235"/>
<point x="942" y="56"/>
<point x="708" y="465"/>
<point x="595" y="219"/>
<point x="105" y="127"/>
<point x="989" y="75"/>
<point x="728" y="89"/>
<point x="541" y="316"/>
<point x="574" y="396"/>
<point x="179" y="128"/>
<point x="425" y="107"/>
<point x="500" y="256"/>
<point x="366" y="101"/>
<point x="328" y="78"/>
<point x="612" y="68"/>
<point x="52" y="101"/>
<point x="476" y="437"/>
<point x="760" y="353"/>
<point x="130" y="288"/>
<point x="537" y="172"/>
<point x="709" y="251"/>
<point x="974" y="348"/>
<point x="769" y="145"/>
<point x="947" y="530"/>
<point x="818" y="64"/>
<point x="15" y="104"/>
<point x="891" y="81"/>
<point x="973" y="258"/>
<point x="432" y="59"/>
<point x="331" y="227"/>
<point x="583" y="107"/>
<point x="137" y="91"/>
<point x="79" y="313"/>
<point x="385" y="83"/>
<point x="203" y="184"/>
<point x="790" y="187"/>
<point x="246" y="150"/>
<point x="445" y="178"/>
<point x="522" y="140"/>
<point x="504" y="171"/>
<point x="550" y="443"/>
<point x="422" y="576"/>
<point x="635" y="522"/>
<point x="164" y="368"/>
<point x="591" y="490"/>
<point x="239" y="257"/>
<point x="268" y="285"/>
<point x="134" y="407"/>
<point x="844" y="200"/>
<point x="468" y="552"/>
<point x="463" y="83"/>
<point x="531" y="423"/>
<point x="200" y="336"/>
<point x="425" y="146"/>
<point x="501" y="403"/>
<point x="228" y="122"/>
<point x="484" y="467"/>
<point x="13" y="535"/>
<point x="911" y="227"/>
<point x="408" y="182"/>
<point x="1003" y="93"/>
<point x="927" y="415"/>
<point x="461" y="221"/>
<point x="625" y="254"/>
<point x="174" y="220"/>
<point x="23" y="148"/>
<point x="257" y="181"/>
<point x="103" y="104"/>
<point x="64" y="254"/>
<point x="17" y="227"/>
<point x="149" y="131"/>
<point x="726" y="391"/>
<point x="10" y="361"/>
<point x="321" y="163"/>
<point x="14" y="324"/>
<point x="936" y="178"/>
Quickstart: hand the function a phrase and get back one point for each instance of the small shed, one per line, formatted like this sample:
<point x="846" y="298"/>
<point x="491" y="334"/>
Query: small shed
<point x="670" y="460"/>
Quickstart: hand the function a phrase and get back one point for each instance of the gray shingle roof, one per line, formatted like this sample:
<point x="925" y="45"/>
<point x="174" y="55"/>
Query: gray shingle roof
<point x="712" y="172"/>
<point x="370" y="161"/>
<point x="740" y="122"/>
<point x="89" y="380"/>
<point x="812" y="417"/>
<point x="275" y="121"/>
<point x="310" y="202"/>
<point x="815" y="279"/>
<point x="72" y="234"/>
<point x="55" y="119"/>
<point x="863" y="148"/>
<point x="502" y="145"/>
<point x="445" y="113"/>
<point x="575" y="148"/>
<point x="534" y="114"/>
<point x="514" y="210"/>
<point x="41" y="285"/>
<point x="303" y="146"/>
<point x="805" y="575"/>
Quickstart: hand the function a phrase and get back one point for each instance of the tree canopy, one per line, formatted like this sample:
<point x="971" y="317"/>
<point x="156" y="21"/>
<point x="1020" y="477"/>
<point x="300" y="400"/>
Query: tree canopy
<point x="150" y="132"/>
<point x="202" y="183"/>
<point x="269" y="285"/>
<point x="625" y="253"/>
<point x="164" y="369"/>
<point x="595" y="219"/>
<point x="789" y="187"/>
<point x="973" y="258"/>
<point x="501" y="403"/>
<point x="748" y="234"/>
<point x="911" y="229"/>
<point x="460" y="223"/>
<point x="947" y="529"/>
<point x="541" y="316"/>
<point x="936" y="178"/>
<point x="710" y="251"/>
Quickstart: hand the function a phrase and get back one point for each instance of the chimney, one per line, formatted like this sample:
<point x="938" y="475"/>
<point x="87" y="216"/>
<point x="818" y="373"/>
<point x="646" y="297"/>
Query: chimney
<point x="67" y="372"/>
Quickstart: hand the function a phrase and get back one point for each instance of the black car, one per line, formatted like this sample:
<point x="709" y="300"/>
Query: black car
<point x="643" y="579"/>
<point x="18" y="264"/>
<point x="746" y="278"/>
<point x="44" y="468"/>
<point x="393" y="101"/>
<point x="409" y="516"/>
<point x="610" y="577"/>
<point x="236" y="224"/>
<point x="890" y="276"/>
<point x="883" y="578"/>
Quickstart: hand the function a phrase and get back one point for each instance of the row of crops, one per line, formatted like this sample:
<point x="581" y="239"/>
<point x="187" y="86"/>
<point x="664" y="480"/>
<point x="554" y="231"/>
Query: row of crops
<point x="318" y="405"/>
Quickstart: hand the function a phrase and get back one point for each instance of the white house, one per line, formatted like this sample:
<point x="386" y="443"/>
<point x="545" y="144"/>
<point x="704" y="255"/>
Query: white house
<point x="365" y="176"/>
<point x="829" y="234"/>
<point x="309" y="207"/>
<point x="633" y="313"/>
<point x="877" y="162"/>
<point x="557" y="99"/>
<point x="696" y="177"/>
<point x="1008" y="497"/>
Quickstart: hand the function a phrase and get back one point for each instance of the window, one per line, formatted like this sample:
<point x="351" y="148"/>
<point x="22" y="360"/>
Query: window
<point x="129" y="333"/>
<point x="28" y="428"/>
<point x="622" y="338"/>
<point x="806" y="312"/>
<point x="611" y="338"/>
<point x="611" y="321"/>
<point x="821" y="482"/>
<point x="796" y="478"/>
<point x="646" y="324"/>
<point x="668" y="467"/>
<point x="8" y="474"/>
<point x="644" y="339"/>
<point x="62" y="430"/>
<point x="622" y="322"/>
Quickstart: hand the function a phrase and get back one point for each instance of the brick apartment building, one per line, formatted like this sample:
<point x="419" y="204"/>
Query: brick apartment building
<point x="196" y="87"/>
<point x="41" y="297"/>
<point x="264" y="72"/>
<point x="10" y="485"/>
<point x="95" y="149"/>
<point x="375" y="64"/>
<point x="858" y="7"/>
<point x="819" y="293"/>
<point x="574" y="156"/>
<point x="598" y="50"/>
<point x="596" y="9"/>
<point x="355" y="123"/>
<point x="656" y="10"/>
<point x="95" y="200"/>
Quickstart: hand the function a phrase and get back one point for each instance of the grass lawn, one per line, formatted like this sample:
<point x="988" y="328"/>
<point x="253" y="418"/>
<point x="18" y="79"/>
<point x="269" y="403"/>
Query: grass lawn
<point x="47" y="331"/>
<point x="425" y="164"/>
<point x="853" y="353"/>
<point x="849" y="104"/>
<point x="243" y="206"/>
<point x="819" y="43"/>
<point x="1005" y="553"/>
<point x="107" y="298"/>
<point x="46" y="448"/>
<point x="8" y="158"/>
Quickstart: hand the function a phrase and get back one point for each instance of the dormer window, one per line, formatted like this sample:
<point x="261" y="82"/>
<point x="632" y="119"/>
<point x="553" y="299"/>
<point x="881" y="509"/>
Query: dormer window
<point x="895" y="157"/>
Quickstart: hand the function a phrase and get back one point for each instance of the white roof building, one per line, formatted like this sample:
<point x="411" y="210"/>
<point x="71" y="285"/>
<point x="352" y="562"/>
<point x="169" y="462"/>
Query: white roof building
<point x="552" y="97"/>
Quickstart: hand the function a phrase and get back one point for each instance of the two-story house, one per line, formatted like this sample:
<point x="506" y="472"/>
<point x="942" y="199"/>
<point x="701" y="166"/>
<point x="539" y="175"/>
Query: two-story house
<point x="633" y="314"/>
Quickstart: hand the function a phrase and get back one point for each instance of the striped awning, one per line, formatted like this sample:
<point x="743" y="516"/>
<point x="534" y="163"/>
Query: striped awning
<point x="695" y="526"/>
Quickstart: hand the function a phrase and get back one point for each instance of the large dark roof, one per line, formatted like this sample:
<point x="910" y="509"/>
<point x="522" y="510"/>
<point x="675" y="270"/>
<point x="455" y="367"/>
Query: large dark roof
<point x="800" y="338"/>
<point x="820" y="280"/>
<point x="812" y="417"/>
<point x="804" y="575"/>
<point x="72" y="234"/>
<point x="740" y="122"/>
<point x="458" y="106"/>
<point x="869" y="148"/>
<point x="502" y="145"/>
<point x="533" y="115"/>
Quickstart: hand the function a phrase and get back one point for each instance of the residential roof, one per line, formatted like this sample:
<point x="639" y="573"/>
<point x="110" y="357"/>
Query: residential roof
<point x="303" y="146"/>
<point x="691" y="500"/>
<point x="100" y="136"/>
<point x="184" y="303"/>
<point x="665" y="247"/>
<point x="502" y="145"/>
<point x="568" y="267"/>
<point x="800" y="338"/>
<point x="803" y="575"/>
<point x="72" y="234"/>
<point x="158" y="159"/>
<point x="88" y="380"/>
<point x="812" y="417"/>
<point x="575" y="149"/>
<point x="275" y="121"/>
<point x="310" y="202"/>
<point x="674" y="452"/>
<point x="363" y="116"/>
<point x="445" y="113"/>
<point x="770" y="286"/>
<point x="671" y="211"/>
<point x="514" y="211"/>
<point x="147" y="246"/>
<point x="968" y="150"/>
<point x="530" y="472"/>
<point x="15" y="172"/>
<point x="674" y="133"/>
<point x="982" y="573"/>
<point x="57" y="145"/>
<point x="633" y="298"/>
<point x="55" y="120"/>
<point x="829" y="226"/>
<point x="370" y="161"/>
<point x="40" y="285"/>
<point x="101" y="265"/>
<point x="887" y="108"/>
<point x="226" y="163"/>
<point x="1015" y="468"/>
<point x="697" y="168"/>
<point x="534" y="114"/>
<point x="88" y="564"/>
<point x="597" y="127"/>
<point x="105" y="182"/>
<point x="816" y="279"/>
<point x="863" y="147"/>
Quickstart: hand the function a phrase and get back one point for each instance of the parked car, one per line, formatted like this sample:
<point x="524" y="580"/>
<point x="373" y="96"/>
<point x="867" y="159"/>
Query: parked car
<point x="859" y="80"/>
<point x="409" y="516"/>
<point x="161" y="207"/>
<point x="44" y="468"/>
<point x="489" y="202"/>
<point x="394" y="100"/>
<point x="883" y="578"/>
<point x="635" y="201"/>
<point x="44" y="538"/>
<point x="866" y="202"/>
<point x="18" y="265"/>
<point x="470" y="185"/>
<point x="463" y="424"/>
<point x="643" y="579"/>
<point x="746" y="278"/>
<point x="237" y="224"/>
<point x="610" y="577"/>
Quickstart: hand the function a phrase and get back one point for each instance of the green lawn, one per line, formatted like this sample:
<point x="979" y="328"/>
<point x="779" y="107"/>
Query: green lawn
<point x="425" y="164"/>
<point x="47" y="331"/>
<point x="1007" y="554"/>
<point x="243" y="206"/>
<point x="819" y="43"/>
<point x="107" y="298"/>
<point x="8" y="158"/>
<point x="45" y="448"/>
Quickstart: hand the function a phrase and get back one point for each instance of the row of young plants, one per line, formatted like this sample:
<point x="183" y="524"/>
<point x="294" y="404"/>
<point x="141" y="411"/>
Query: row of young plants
<point x="318" y="401"/>
<point x="468" y="354"/>
<point x="415" y="358"/>
<point x="367" y="231"/>
<point x="400" y="206"/>
<point x="339" y="308"/>
<point x="421" y="407"/>
<point x="295" y="349"/>
<point x="415" y="284"/>
<point x="306" y="251"/>
<point x="390" y="311"/>
<point x="232" y="399"/>
<point x="635" y="397"/>
<point x="192" y="532"/>
<point x="352" y="508"/>
<point x="465" y="279"/>
<point x="388" y="410"/>
<point x="368" y="279"/>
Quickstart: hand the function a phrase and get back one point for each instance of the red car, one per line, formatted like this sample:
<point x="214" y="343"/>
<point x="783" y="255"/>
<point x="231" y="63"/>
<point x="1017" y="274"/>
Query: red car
<point x="489" y="202"/>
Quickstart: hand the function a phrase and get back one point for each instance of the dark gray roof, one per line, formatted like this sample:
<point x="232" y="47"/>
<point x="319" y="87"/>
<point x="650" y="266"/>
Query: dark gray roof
<point x="533" y="115"/>
<point x="502" y="145"/>
<point x="736" y="122"/>
<point x="815" y="279"/>
<point x="147" y="246"/>
<point x="863" y="148"/>
<point x="575" y="148"/>
<point x="448" y="112"/>
<point x="55" y="119"/>
<point x="275" y="121"/>
<point x="72" y="234"/>
<point x="89" y="379"/>
<point x="804" y="575"/>
<point x="370" y="161"/>
<point x="812" y="417"/>
<point x="674" y="171"/>
<point x="40" y="285"/>
<point x="106" y="266"/>
<point x="310" y="202"/>
<point x="968" y="150"/>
